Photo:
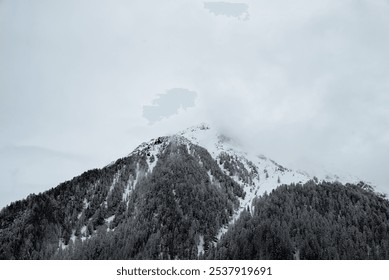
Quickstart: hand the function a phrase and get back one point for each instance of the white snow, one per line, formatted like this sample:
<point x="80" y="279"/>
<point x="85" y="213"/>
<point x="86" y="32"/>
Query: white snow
<point x="85" y="206"/>
<point x="205" y="137"/>
<point x="265" y="174"/>
<point x="86" y="203"/>
<point x="114" y="182"/>
<point x="153" y="152"/>
<point x="129" y="188"/>
<point x="73" y="236"/>
<point x="256" y="165"/>
<point x="223" y="230"/>
<point x="211" y="178"/>
<point x="83" y="230"/>
<point x="61" y="242"/>
<point x="110" y="219"/>
<point x="200" y="246"/>
<point x="131" y="184"/>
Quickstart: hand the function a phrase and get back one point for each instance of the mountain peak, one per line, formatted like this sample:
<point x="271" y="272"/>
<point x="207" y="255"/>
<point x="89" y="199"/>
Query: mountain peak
<point x="196" y="128"/>
<point x="210" y="138"/>
<point x="197" y="175"/>
<point x="255" y="173"/>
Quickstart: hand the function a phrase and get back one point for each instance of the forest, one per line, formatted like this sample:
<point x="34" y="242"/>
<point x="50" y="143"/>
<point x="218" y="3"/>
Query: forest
<point x="311" y="221"/>
<point x="176" y="210"/>
<point x="163" y="215"/>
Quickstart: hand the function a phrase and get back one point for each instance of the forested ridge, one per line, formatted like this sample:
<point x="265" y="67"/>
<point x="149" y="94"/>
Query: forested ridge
<point x="32" y="228"/>
<point x="169" y="199"/>
<point x="311" y="221"/>
<point x="163" y="215"/>
<point x="169" y="213"/>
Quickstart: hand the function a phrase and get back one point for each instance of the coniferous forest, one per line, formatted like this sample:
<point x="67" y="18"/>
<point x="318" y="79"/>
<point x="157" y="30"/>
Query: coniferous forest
<point x="172" y="205"/>
<point x="311" y="221"/>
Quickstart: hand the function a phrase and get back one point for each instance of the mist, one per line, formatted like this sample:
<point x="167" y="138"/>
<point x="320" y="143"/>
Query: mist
<point x="305" y="83"/>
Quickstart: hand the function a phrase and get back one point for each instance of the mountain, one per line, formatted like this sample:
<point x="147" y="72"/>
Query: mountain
<point x="195" y="194"/>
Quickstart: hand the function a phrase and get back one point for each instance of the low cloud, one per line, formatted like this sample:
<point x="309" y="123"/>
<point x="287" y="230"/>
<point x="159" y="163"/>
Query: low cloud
<point x="303" y="82"/>
<point x="168" y="104"/>
<point x="237" y="10"/>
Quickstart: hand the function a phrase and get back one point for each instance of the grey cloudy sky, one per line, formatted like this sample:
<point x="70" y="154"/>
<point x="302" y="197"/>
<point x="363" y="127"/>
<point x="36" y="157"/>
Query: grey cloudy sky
<point x="168" y="104"/>
<point x="237" y="10"/>
<point x="304" y="82"/>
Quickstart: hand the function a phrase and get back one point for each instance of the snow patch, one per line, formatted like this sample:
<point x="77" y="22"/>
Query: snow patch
<point x="86" y="203"/>
<point x="263" y="174"/>
<point x="129" y="188"/>
<point x="200" y="246"/>
<point x="110" y="219"/>
<point x="73" y="236"/>
<point x="211" y="178"/>
<point x="154" y="149"/>
<point x="61" y="242"/>
<point x="131" y="185"/>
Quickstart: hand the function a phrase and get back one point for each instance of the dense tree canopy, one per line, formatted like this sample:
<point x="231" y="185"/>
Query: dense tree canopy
<point x="311" y="221"/>
<point x="176" y="210"/>
<point x="163" y="216"/>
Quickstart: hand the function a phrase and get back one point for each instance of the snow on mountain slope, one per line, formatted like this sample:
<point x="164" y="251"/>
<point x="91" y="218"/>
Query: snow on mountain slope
<point x="198" y="177"/>
<point x="262" y="173"/>
<point x="257" y="174"/>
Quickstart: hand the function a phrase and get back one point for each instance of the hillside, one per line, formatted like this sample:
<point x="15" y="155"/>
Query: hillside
<point x="310" y="221"/>
<point x="183" y="196"/>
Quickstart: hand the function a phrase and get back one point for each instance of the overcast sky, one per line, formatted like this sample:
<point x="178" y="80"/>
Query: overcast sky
<point x="303" y="82"/>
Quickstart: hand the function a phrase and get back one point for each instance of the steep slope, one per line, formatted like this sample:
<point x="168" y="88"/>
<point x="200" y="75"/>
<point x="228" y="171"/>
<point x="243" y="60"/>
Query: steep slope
<point x="170" y="210"/>
<point x="160" y="193"/>
<point x="311" y="221"/>
<point x="172" y="197"/>
<point x="256" y="174"/>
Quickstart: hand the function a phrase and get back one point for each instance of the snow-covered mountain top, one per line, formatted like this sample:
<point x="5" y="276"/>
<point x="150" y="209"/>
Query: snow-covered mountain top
<point x="208" y="137"/>
<point x="270" y="173"/>
<point x="217" y="143"/>
<point x="255" y="173"/>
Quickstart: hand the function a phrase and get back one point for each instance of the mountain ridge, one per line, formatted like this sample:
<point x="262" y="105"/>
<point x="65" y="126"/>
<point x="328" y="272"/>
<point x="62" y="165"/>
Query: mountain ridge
<point x="192" y="186"/>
